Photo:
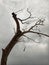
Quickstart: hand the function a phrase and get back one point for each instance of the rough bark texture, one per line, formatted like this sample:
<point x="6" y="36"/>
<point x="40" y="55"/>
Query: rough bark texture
<point x="7" y="50"/>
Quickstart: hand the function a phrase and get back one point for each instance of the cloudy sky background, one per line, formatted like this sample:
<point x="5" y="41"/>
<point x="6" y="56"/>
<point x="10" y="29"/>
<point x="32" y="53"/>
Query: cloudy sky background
<point x="35" y="53"/>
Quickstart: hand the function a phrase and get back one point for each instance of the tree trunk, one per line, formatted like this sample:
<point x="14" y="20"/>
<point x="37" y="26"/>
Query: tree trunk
<point x="7" y="50"/>
<point x="4" y="58"/>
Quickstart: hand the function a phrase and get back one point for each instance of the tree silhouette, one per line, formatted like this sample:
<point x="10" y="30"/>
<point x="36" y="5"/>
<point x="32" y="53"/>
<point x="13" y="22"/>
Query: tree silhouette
<point x="19" y="33"/>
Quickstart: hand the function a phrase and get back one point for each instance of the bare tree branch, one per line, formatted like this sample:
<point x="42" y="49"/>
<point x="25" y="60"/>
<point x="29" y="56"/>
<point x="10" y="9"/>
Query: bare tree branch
<point x="35" y="33"/>
<point x="26" y="18"/>
<point x="16" y="20"/>
<point x="6" y="51"/>
<point x="30" y="38"/>
<point x="39" y="22"/>
<point x="19" y="10"/>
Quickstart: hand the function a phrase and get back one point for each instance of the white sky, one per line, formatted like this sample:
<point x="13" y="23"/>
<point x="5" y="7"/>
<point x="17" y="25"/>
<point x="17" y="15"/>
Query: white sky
<point x="35" y="51"/>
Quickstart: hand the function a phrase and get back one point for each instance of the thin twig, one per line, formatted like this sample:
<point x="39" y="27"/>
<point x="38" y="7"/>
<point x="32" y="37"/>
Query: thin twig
<point x="30" y="38"/>
<point x="39" y="22"/>
<point x="26" y="18"/>
<point x="35" y="33"/>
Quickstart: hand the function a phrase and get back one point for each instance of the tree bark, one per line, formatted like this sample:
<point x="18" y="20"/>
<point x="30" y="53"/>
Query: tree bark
<point x="7" y="50"/>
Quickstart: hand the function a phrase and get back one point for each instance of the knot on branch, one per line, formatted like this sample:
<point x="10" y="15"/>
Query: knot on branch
<point x="14" y="15"/>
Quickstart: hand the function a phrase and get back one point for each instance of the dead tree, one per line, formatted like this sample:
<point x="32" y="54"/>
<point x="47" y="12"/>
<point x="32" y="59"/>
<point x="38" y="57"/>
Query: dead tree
<point x="6" y="51"/>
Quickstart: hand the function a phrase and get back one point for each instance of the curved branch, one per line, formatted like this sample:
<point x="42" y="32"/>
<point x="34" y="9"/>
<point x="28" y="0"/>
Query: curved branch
<point x="35" y="33"/>
<point x="26" y="18"/>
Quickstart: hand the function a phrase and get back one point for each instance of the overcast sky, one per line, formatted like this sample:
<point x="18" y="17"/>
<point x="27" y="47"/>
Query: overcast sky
<point x="35" y="53"/>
